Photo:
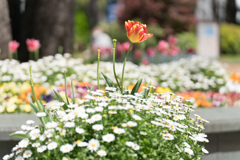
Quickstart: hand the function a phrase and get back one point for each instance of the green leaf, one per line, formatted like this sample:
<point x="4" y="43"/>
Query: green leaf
<point x="34" y="107"/>
<point x="146" y="91"/>
<point x="46" y="118"/>
<point x="61" y="100"/>
<point x="20" y="135"/>
<point x="136" y="87"/>
<point x="109" y="82"/>
<point x="73" y="96"/>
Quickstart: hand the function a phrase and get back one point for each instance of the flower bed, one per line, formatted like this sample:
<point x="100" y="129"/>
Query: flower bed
<point x="207" y="78"/>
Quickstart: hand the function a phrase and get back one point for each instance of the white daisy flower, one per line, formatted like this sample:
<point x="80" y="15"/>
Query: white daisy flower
<point x="82" y="144"/>
<point x="205" y="151"/>
<point x="124" y="124"/>
<point x="131" y="124"/>
<point x="136" y="117"/>
<point x="79" y="130"/>
<point x="41" y="148"/>
<point x="69" y="124"/>
<point x="35" y="144"/>
<point x="41" y="114"/>
<point x="19" y="158"/>
<point x="129" y="143"/>
<point x="96" y="117"/>
<point x="102" y="153"/>
<point x="82" y="115"/>
<point x="119" y="131"/>
<point x="143" y="133"/>
<point x="136" y="147"/>
<point x="6" y="157"/>
<point x="189" y="151"/>
<point x="27" y="154"/>
<point x="64" y="158"/>
<point x="90" y="121"/>
<point x="97" y="127"/>
<point x="51" y="125"/>
<point x="103" y="104"/>
<point x="24" y="127"/>
<point x="93" y="145"/>
<point x="186" y="145"/>
<point x="168" y="136"/>
<point x="34" y="132"/>
<point x="23" y="143"/>
<point x="110" y="89"/>
<point x="42" y="137"/>
<point x="68" y="117"/>
<point x="30" y="122"/>
<point x="66" y="148"/>
<point x="61" y="113"/>
<point x="90" y="110"/>
<point x="108" y="137"/>
<point x="98" y="109"/>
<point x="52" y="145"/>
<point x="71" y="105"/>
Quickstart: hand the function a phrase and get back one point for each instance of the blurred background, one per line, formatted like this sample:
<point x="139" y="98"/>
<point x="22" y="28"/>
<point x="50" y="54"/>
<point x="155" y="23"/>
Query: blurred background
<point x="180" y="28"/>
<point x="205" y="27"/>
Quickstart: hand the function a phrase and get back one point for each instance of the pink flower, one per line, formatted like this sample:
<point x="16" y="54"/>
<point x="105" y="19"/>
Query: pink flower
<point x="172" y="39"/>
<point x="150" y="51"/>
<point x="125" y="46"/>
<point x="145" y="61"/>
<point x="137" y="54"/>
<point x="174" y="50"/>
<point x="163" y="47"/>
<point x="33" y="45"/>
<point x="13" y="46"/>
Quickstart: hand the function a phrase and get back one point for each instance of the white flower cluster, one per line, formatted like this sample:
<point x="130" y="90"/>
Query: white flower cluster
<point x="48" y="69"/>
<point x="195" y="73"/>
<point x="115" y="126"/>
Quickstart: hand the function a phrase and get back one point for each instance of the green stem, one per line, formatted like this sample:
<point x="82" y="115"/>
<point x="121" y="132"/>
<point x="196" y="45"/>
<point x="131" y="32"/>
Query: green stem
<point x="98" y="68"/>
<point x="30" y="56"/>
<point x="0" y="53"/>
<point x="65" y="81"/>
<point x="115" y="75"/>
<point x="60" y="49"/>
<point x="31" y="83"/>
<point x="10" y="55"/>
<point x="36" y="55"/>
<point x="124" y="65"/>
<point x="16" y="55"/>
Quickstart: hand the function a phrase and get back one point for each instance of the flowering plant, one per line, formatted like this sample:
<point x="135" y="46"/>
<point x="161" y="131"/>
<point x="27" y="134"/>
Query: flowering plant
<point x="33" y="46"/>
<point x="114" y="123"/>
<point x="12" y="47"/>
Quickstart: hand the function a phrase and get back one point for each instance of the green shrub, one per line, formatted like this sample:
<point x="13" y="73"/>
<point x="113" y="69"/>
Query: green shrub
<point x="230" y="38"/>
<point x="187" y="40"/>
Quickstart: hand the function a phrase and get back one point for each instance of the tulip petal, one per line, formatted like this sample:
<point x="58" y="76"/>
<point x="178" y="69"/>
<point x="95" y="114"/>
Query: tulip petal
<point x="146" y="36"/>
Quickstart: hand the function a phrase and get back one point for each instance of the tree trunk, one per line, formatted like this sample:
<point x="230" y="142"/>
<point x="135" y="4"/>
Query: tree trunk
<point x="51" y="22"/>
<point x="231" y="11"/>
<point x="5" y="31"/>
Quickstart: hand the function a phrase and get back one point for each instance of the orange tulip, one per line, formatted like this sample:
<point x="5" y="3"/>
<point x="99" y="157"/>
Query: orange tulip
<point x="136" y="32"/>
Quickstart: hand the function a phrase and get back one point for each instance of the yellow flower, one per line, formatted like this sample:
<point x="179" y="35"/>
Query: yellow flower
<point x="11" y="108"/>
<point x="26" y="108"/>
<point x="2" y="108"/>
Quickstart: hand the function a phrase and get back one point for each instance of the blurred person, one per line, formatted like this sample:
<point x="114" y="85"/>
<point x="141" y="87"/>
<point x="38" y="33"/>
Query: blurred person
<point x="102" y="41"/>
